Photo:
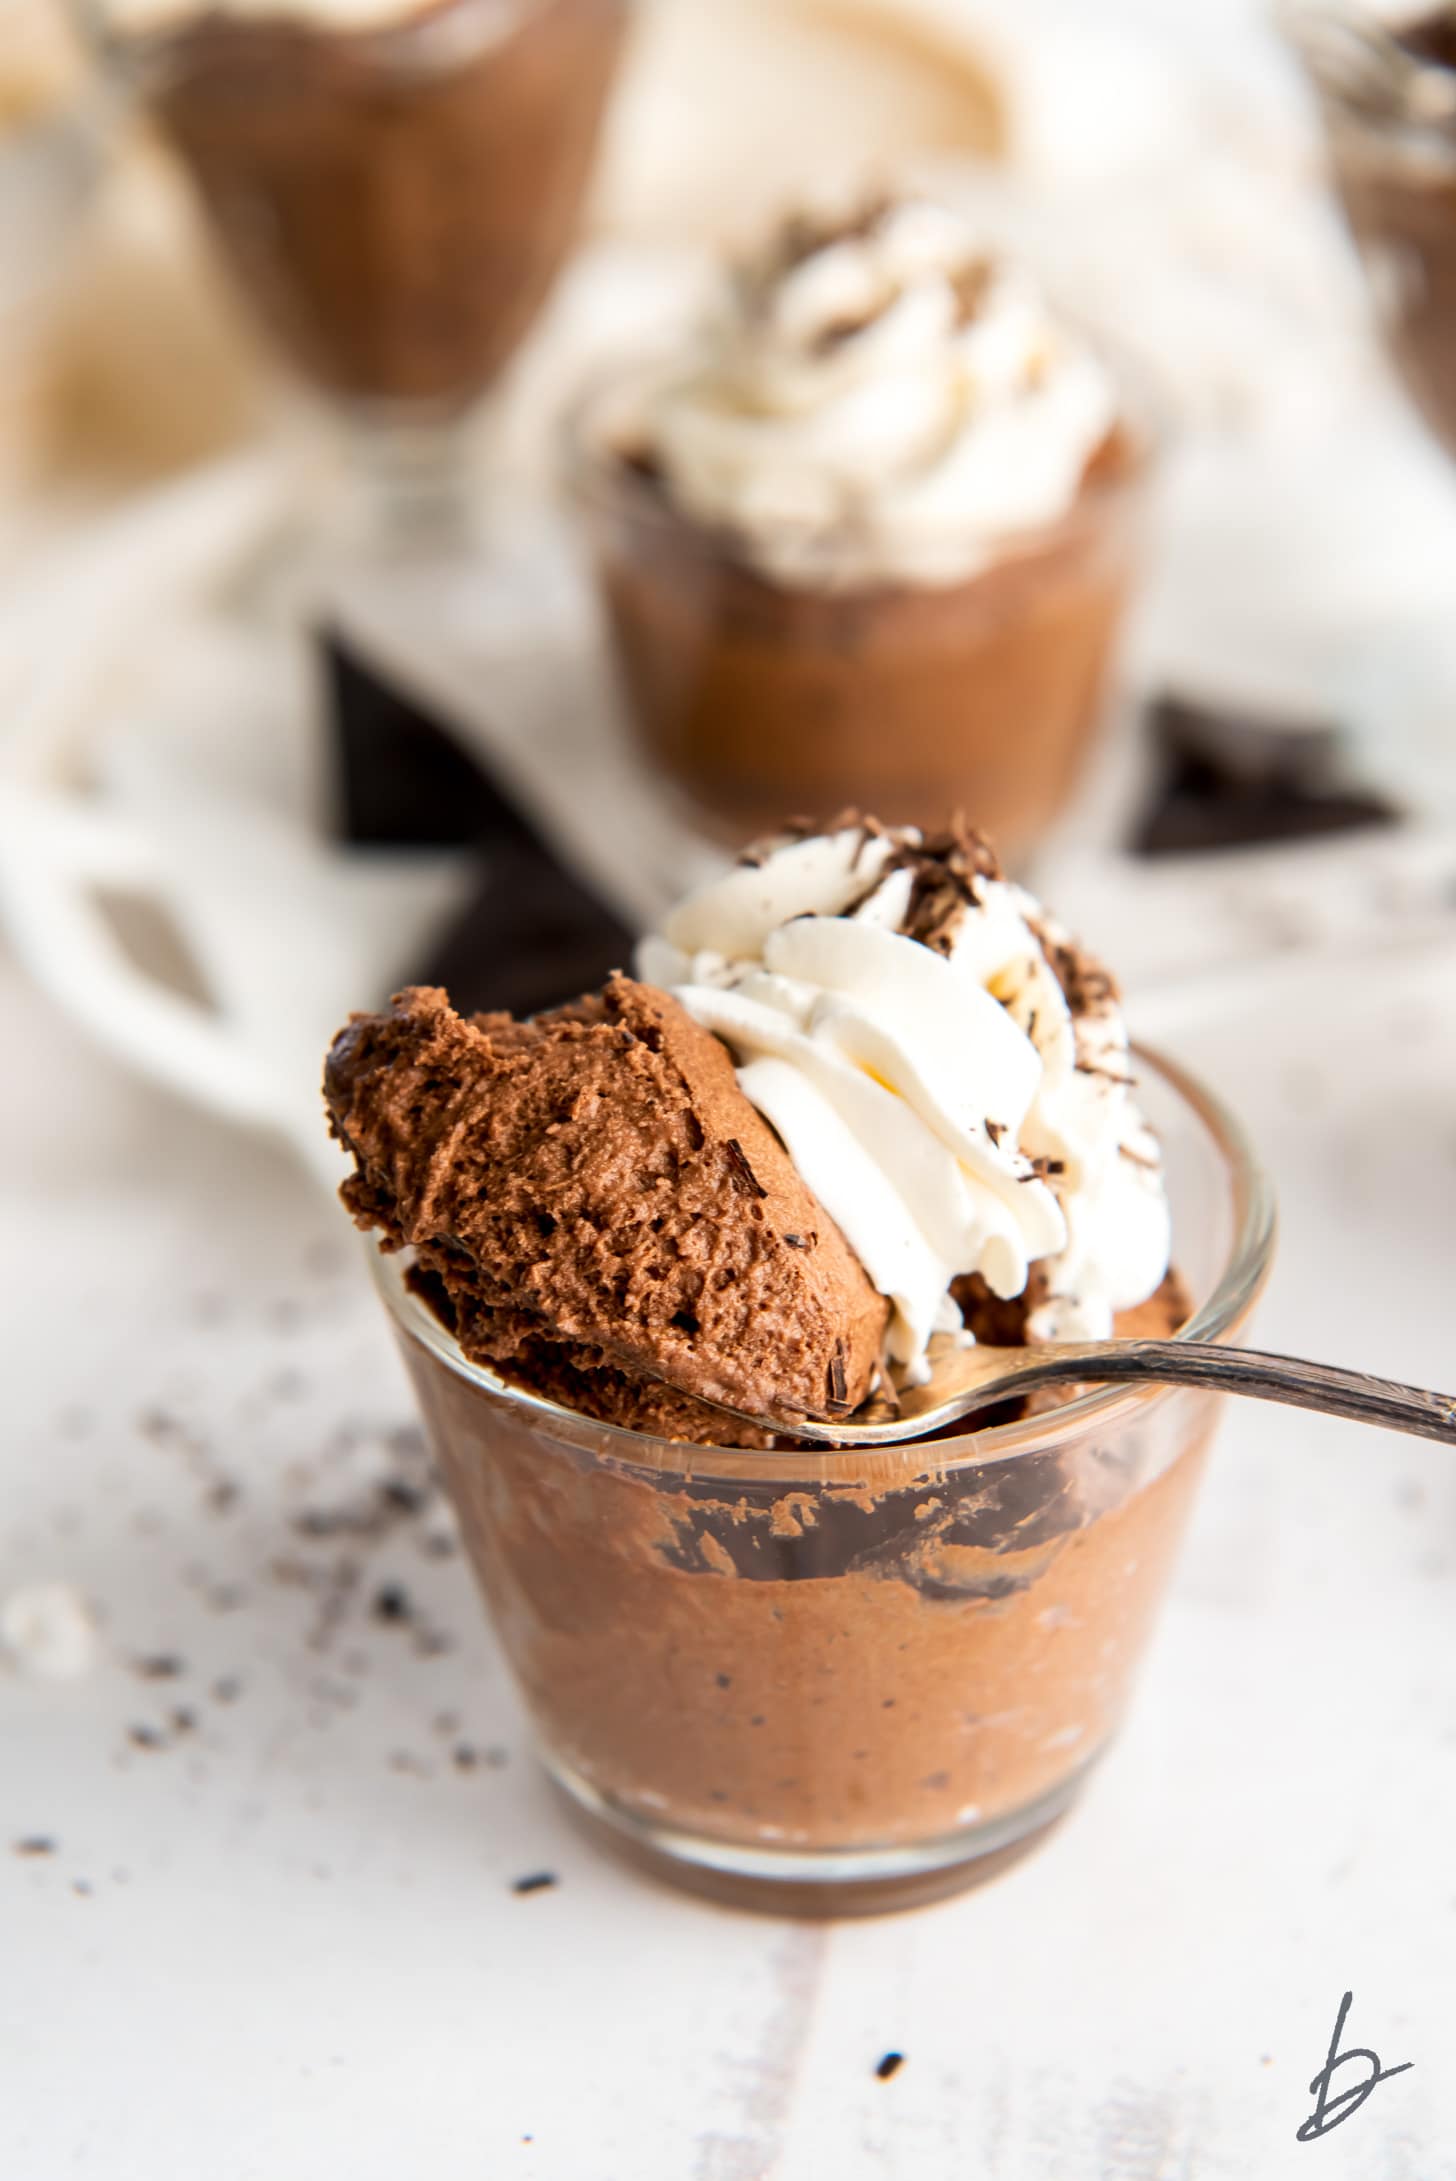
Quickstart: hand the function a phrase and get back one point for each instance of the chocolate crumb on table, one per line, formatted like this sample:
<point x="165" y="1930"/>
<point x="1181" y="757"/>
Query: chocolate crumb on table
<point x="161" y="1666"/>
<point x="36" y="1844"/>
<point x="536" y="1882"/>
<point x="890" y="2065"/>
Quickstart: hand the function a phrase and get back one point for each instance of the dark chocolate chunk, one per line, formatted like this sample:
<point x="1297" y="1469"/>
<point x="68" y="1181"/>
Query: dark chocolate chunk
<point x="533" y="933"/>
<point x="532" y="937"/>
<point x="1430" y="37"/>
<point x="1234" y="780"/>
<point x="402" y="779"/>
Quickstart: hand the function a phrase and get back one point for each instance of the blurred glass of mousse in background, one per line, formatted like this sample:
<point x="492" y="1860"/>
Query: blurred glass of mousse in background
<point x="394" y="185"/>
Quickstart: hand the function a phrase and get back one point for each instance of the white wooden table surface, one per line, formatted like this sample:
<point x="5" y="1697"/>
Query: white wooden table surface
<point x="284" y="1942"/>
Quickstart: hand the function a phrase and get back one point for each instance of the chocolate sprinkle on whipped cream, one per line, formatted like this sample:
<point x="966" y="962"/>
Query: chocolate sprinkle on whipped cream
<point x="881" y="399"/>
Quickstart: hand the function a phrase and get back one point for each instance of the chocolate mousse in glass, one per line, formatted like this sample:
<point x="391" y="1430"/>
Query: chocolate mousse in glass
<point x="863" y="1097"/>
<point x="875" y="539"/>
<point x="1385" y="78"/>
<point x="394" y="183"/>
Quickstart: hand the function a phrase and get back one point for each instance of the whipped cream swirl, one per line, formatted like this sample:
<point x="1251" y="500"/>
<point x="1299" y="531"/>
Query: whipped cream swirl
<point x="884" y="402"/>
<point x="948" y="1074"/>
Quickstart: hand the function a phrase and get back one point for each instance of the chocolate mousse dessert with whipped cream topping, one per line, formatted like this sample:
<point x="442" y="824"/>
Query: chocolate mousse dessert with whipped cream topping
<point x="862" y="1095"/>
<point x="872" y="538"/>
<point x="395" y="182"/>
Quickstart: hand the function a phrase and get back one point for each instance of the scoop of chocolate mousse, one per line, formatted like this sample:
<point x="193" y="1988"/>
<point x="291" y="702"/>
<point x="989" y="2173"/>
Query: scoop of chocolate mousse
<point x="598" y="1212"/>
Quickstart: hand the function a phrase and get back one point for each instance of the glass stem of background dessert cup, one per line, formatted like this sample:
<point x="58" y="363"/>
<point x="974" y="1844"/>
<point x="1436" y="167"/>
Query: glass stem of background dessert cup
<point x="825" y="1682"/>
<point x="406" y="489"/>
<point x="1385" y="82"/>
<point x="394" y="186"/>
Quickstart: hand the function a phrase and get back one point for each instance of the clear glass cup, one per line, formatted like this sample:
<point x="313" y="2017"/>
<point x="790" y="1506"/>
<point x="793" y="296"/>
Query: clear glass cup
<point x="836" y="1682"/>
<point x="394" y="196"/>
<point x="753" y="697"/>
<point x="1386" y="89"/>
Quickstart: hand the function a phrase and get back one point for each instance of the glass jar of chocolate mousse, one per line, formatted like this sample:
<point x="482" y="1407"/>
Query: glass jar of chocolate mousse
<point x="875" y="541"/>
<point x="395" y="184"/>
<point x="829" y="1683"/>
<point x="1385" y="80"/>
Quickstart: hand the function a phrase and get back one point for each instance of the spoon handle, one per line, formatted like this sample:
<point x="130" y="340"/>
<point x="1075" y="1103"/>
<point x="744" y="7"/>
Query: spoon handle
<point x="1300" y="1385"/>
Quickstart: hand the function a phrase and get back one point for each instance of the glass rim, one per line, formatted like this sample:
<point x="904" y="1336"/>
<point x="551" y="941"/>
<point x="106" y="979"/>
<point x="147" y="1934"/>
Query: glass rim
<point x="1218" y="1318"/>
<point x="597" y="476"/>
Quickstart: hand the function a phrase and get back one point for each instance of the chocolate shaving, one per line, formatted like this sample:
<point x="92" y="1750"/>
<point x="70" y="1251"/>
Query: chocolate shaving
<point x="838" y="1386"/>
<point x="1109" y="1075"/>
<point x="795" y="1242"/>
<point x="740" y="1173"/>
<point x="804" y="234"/>
<point x="995" y="1130"/>
<point x="840" y="330"/>
<point x="643" y="461"/>
<point x="1087" y="987"/>
<point x="947" y="871"/>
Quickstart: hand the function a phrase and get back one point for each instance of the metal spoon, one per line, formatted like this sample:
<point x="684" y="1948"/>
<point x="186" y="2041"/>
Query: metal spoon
<point x="964" y="1380"/>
